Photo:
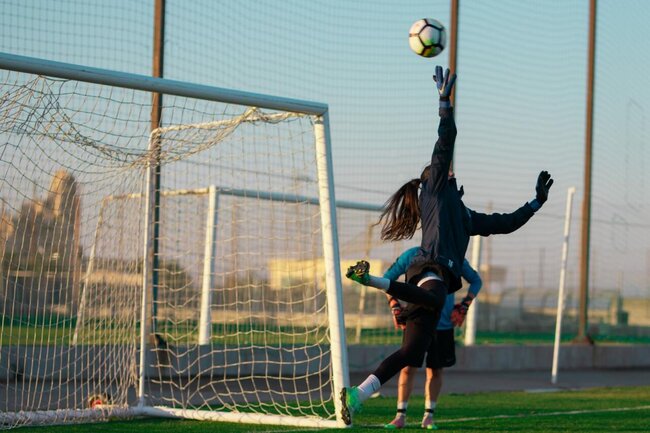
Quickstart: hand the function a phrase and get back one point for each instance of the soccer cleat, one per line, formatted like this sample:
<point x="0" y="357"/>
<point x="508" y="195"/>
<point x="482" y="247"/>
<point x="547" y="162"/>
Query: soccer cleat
<point x="427" y="423"/>
<point x="345" y="410"/>
<point x="359" y="272"/>
<point x="350" y="404"/>
<point x="398" y="422"/>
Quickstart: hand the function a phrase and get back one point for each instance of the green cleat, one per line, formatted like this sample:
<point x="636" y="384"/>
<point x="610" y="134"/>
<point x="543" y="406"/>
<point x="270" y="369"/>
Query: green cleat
<point x="359" y="272"/>
<point x="350" y="404"/>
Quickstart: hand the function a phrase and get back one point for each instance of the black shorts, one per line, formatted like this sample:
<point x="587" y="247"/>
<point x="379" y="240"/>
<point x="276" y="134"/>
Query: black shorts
<point x="442" y="350"/>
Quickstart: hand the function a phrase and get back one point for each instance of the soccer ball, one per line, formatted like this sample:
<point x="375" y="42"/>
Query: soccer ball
<point x="427" y="37"/>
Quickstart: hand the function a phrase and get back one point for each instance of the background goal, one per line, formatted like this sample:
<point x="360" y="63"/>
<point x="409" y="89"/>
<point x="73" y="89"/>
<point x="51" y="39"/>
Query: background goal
<point x="209" y="240"/>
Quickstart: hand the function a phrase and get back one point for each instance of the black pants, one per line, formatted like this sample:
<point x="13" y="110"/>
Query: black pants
<point x="420" y="325"/>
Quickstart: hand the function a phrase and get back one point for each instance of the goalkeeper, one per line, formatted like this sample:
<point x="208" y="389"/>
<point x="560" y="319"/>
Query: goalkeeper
<point x="441" y="352"/>
<point x="433" y="203"/>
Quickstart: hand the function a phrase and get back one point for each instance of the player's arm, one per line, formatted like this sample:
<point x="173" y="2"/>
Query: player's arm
<point x="473" y="278"/>
<point x="443" y="151"/>
<point x="399" y="267"/>
<point x="475" y="283"/>
<point x="498" y="223"/>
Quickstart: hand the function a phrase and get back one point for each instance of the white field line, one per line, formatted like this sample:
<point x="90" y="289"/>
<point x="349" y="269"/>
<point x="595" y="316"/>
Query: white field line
<point x="298" y="430"/>
<point x="571" y="412"/>
<point x="532" y="415"/>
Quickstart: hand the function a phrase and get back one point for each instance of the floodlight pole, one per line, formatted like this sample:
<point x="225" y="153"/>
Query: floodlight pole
<point x="453" y="53"/>
<point x="156" y="116"/>
<point x="150" y="263"/>
<point x="583" y="309"/>
<point x="453" y="43"/>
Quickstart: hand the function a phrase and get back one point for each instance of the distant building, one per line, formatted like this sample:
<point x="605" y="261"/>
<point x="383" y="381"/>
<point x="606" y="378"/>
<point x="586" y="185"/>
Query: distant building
<point x="40" y="248"/>
<point x="288" y="273"/>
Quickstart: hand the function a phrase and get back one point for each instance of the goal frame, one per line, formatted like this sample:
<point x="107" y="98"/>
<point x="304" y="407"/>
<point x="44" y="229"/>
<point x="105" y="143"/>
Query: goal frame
<point x="326" y="199"/>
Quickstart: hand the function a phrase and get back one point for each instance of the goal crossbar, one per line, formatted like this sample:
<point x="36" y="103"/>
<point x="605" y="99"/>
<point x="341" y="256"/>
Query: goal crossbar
<point x="31" y="65"/>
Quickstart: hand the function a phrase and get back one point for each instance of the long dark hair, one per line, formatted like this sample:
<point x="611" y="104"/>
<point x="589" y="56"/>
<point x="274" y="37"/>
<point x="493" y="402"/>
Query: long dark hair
<point x="401" y="215"/>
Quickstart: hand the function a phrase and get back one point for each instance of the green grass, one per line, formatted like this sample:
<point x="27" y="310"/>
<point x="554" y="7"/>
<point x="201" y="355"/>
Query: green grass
<point x="483" y="337"/>
<point x="605" y="409"/>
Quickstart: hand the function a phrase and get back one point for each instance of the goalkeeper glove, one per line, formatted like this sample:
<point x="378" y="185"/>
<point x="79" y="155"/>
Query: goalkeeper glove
<point x="445" y="85"/>
<point x="544" y="182"/>
<point x="459" y="312"/>
<point x="396" y="309"/>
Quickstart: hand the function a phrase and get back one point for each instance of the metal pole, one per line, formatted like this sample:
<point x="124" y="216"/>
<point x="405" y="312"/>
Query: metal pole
<point x="209" y="256"/>
<point x="470" y="324"/>
<point x="560" y="296"/>
<point x="147" y="83"/>
<point x="586" y="199"/>
<point x="152" y="217"/>
<point x="453" y="43"/>
<point x="339" y="354"/>
<point x="453" y="50"/>
<point x="147" y="275"/>
<point x="156" y="115"/>
<point x="487" y="278"/>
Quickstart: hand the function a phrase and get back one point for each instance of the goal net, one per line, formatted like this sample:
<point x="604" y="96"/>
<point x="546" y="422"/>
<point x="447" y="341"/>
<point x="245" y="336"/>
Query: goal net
<point x="186" y="270"/>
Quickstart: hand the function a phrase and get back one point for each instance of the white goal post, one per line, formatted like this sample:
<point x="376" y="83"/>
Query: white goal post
<point x="125" y="295"/>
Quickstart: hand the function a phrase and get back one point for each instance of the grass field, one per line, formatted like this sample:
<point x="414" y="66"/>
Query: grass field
<point x="595" y="410"/>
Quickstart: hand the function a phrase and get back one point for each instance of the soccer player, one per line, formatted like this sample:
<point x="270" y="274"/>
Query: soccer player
<point x="441" y="352"/>
<point x="434" y="202"/>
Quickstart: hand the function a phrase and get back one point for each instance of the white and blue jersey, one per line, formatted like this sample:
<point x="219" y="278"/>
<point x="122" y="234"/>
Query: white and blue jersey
<point x="402" y="263"/>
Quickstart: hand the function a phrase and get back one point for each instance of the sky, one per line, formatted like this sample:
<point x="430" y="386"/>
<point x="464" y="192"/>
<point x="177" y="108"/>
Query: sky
<point x="520" y="101"/>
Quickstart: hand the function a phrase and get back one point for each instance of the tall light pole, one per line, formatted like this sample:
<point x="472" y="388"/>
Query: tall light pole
<point x="583" y="310"/>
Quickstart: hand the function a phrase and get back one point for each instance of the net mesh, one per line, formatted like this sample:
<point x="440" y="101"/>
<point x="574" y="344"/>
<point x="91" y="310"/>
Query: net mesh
<point x="237" y="308"/>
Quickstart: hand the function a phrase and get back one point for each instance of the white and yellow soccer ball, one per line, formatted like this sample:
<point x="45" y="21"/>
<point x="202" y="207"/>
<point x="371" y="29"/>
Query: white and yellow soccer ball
<point x="427" y="37"/>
